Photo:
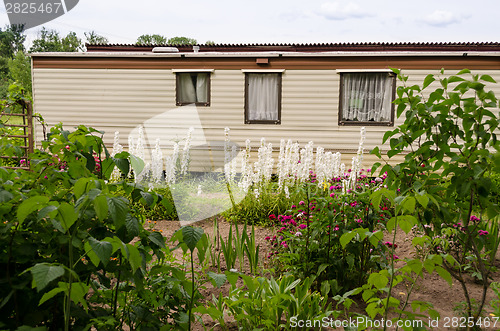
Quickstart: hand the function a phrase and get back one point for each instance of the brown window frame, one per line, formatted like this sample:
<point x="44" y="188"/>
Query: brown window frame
<point x="177" y="89"/>
<point x="366" y="123"/>
<point x="280" y="85"/>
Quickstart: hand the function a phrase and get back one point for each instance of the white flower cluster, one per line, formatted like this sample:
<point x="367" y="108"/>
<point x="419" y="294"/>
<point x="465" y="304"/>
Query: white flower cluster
<point x="117" y="148"/>
<point x="294" y="165"/>
<point x="357" y="161"/>
<point x="185" y="152"/>
<point x="157" y="162"/>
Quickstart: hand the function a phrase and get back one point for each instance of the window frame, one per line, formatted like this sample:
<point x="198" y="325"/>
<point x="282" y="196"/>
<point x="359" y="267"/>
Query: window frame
<point x="177" y="73"/>
<point x="342" y="122"/>
<point x="280" y="88"/>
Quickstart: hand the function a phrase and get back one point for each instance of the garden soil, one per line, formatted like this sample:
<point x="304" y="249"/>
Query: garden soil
<point x="431" y="288"/>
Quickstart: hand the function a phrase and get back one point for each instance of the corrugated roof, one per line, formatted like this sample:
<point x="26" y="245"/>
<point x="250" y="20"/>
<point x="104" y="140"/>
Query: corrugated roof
<point x="312" y="47"/>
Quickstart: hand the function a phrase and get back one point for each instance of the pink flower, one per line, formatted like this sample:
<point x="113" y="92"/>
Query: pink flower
<point x="395" y="257"/>
<point x="272" y="217"/>
<point x="268" y="238"/>
<point x="294" y="206"/>
<point x="284" y="244"/>
<point x="45" y="177"/>
<point x="332" y="194"/>
<point x="482" y="232"/>
<point x="474" y="218"/>
<point x="302" y="226"/>
<point x="302" y="203"/>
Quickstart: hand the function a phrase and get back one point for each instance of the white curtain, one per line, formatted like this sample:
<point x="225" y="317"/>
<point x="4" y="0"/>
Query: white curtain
<point x="367" y="97"/>
<point x="193" y="87"/>
<point x="263" y="97"/>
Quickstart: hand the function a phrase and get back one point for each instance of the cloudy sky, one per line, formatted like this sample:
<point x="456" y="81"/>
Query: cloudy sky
<point x="280" y="21"/>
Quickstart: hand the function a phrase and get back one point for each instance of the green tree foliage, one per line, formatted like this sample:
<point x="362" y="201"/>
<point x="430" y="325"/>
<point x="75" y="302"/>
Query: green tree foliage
<point x="11" y="41"/>
<point x="20" y="70"/>
<point x="182" y="41"/>
<point x="151" y="39"/>
<point x="51" y="41"/>
<point x="94" y="39"/>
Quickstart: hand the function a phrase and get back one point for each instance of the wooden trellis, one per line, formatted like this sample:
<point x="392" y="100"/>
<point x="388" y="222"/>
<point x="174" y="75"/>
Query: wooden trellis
<point x="26" y="136"/>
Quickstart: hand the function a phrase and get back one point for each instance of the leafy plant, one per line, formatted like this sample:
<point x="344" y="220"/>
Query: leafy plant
<point x="449" y="139"/>
<point x="71" y="248"/>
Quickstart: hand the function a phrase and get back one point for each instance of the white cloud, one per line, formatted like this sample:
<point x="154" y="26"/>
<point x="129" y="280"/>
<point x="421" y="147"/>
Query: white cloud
<point x="442" y="18"/>
<point x="341" y="11"/>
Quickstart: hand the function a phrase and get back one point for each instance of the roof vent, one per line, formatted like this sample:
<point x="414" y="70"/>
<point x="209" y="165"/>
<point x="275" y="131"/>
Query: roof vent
<point x="196" y="49"/>
<point x="165" y="50"/>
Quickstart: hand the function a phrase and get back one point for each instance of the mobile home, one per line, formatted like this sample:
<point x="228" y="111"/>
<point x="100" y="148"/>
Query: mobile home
<point x="304" y="92"/>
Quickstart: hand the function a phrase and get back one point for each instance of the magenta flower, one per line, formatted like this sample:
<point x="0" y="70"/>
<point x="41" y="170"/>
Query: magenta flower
<point x="302" y="226"/>
<point x="483" y="233"/>
<point x="474" y="218"/>
<point x="302" y="203"/>
<point x="268" y="238"/>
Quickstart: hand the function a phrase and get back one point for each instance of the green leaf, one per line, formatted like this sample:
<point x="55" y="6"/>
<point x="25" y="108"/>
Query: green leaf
<point x="102" y="250"/>
<point x="118" y="209"/>
<point x="132" y="225"/>
<point x="49" y="295"/>
<point x="218" y="279"/>
<point x="444" y="274"/>
<point x="101" y="207"/>
<point x="346" y="238"/>
<point x="5" y="196"/>
<point x="148" y="198"/>
<point x="122" y="163"/>
<point x="107" y="166"/>
<point x="137" y="164"/>
<point x="428" y="80"/>
<point x="406" y="222"/>
<point x="191" y="236"/>
<point x="378" y="280"/>
<point x="134" y="257"/>
<point x="415" y="265"/>
<point x="30" y="205"/>
<point x="376" y="152"/>
<point x="423" y="200"/>
<point x="409" y="204"/>
<point x="232" y="277"/>
<point x="487" y="78"/>
<point x="67" y="215"/>
<point x="44" y="273"/>
<point x="157" y="238"/>
<point x="376" y="237"/>
<point x="83" y="185"/>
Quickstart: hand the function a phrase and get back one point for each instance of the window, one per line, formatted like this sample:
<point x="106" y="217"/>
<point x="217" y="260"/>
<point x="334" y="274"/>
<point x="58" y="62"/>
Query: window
<point x="193" y="87"/>
<point x="263" y="98"/>
<point x="366" y="98"/>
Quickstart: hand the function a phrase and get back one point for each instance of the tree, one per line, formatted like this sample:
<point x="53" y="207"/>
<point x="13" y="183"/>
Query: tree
<point x="20" y="70"/>
<point x="50" y="41"/>
<point x="94" y="39"/>
<point x="151" y="39"/>
<point x="11" y="40"/>
<point x="182" y="41"/>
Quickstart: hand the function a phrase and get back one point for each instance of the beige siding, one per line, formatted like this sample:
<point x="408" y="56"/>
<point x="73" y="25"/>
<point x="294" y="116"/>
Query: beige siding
<point x="123" y="99"/>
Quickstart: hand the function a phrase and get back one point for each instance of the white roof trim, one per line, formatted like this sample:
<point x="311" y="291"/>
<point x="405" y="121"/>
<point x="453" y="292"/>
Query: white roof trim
<point x="270" y="71"/>
<point x="192" y="70"/>
<point x="340" y="71"/>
